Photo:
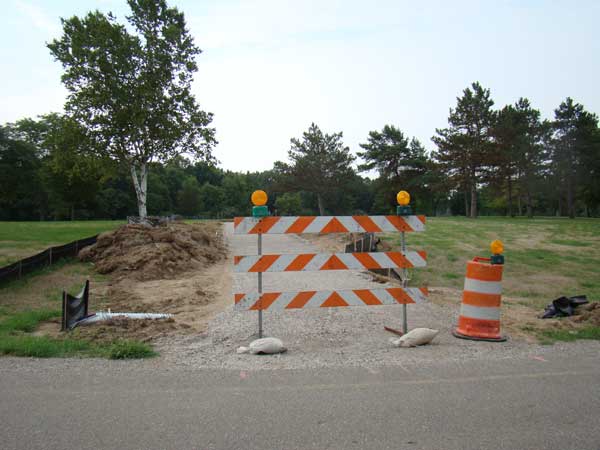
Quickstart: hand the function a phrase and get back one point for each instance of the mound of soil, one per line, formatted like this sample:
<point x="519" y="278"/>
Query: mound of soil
<point x="587" y="314"/>
<point x="123" y="328"/>
<point x="154" y="253"/>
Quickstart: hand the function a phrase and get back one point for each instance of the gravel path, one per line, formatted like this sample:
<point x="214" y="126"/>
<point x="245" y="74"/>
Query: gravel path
<point x="331" y="337"/>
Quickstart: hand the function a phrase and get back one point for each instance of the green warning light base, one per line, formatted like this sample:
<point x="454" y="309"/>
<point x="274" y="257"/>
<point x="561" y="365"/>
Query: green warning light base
<point x="497" y="259"/>
<point x="260" y="211"/>
<point x="403" y="211"/>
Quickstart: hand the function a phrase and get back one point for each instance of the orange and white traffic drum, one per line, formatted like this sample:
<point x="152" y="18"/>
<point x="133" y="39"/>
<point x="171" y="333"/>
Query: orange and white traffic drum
<point x="482" y="295"/>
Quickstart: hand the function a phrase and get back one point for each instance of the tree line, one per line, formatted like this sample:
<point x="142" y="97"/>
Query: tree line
<point x="134" y="141"/>
<point x="494" y="162"/>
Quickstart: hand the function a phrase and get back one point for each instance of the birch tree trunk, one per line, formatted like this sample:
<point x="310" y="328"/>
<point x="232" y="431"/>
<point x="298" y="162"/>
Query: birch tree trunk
<point x="140" y="183"/>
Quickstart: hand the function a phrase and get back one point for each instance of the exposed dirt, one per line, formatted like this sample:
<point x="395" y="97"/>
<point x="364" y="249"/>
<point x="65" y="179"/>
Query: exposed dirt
<point x="154" y="253"/>
<point x="179" y="269"/>
<point x="122" y="328"/>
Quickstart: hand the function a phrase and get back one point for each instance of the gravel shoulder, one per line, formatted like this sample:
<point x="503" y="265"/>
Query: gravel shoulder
<point x="333" y="337"/>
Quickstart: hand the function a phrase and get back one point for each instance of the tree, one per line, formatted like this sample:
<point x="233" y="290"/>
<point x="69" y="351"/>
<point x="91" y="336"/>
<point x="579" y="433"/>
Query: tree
<point x="130" y="87"/>
<point x="574" y="138"/>
<point x="213" y="199"/>
<point x="189" y="198"/>
<point x="465" y="147"/>
<point x="20" y="186"/>
<point x="319" y="163"/>
<point x="401" y="163"/>
<point x="518" y="136"/>
<point x="289" y="204"/>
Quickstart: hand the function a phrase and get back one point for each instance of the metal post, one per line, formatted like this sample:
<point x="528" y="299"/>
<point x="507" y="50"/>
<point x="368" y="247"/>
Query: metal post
<point x="260" y="318"/>
<point x="50" y="256"/>
<point x="404" y="284"/>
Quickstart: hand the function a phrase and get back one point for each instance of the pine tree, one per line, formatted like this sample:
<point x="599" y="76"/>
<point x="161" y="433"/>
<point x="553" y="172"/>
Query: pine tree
<point x="465" y="148"/>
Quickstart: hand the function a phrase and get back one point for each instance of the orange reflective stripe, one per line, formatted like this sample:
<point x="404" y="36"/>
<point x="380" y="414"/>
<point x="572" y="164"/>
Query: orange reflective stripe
<point x="238" y="297"/>
<point x="300" y="224"/>
<point x="264" y="263"/>
<point x="264" y="225"/>
<point x="400" y="296"/>
<point x="334" y="263"/>
<point x="366" y="260"/>
<point x="237" y="221"/>
<point x="334" y="226"/>
<point x="399" y="223"/>
<point x="237" y="259"/>
<point x="367" y="297"/>
<point x="300" y="262"/>
<point x="300" y="300"/>
<point x="478" y="299"/>
<point x="488" y="329"/>
<point x="484" y="272"/>
<point x="368" y="224"/>
<point x="399" y="259"/>
<point x="265" y="300"/>
<point x="334" y="300"/>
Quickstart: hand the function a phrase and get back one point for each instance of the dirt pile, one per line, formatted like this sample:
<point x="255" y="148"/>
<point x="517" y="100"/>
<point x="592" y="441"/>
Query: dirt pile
<point x="155" y="253"/>
<point x="123" y="328"/>
<point x="587" y="314"/>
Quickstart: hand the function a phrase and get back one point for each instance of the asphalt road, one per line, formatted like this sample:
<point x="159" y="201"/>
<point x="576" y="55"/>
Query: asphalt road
<point x="531" y="403"/>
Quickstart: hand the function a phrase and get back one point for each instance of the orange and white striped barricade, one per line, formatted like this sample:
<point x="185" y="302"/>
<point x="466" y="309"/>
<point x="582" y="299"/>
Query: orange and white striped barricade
<point x="479" y="317"/>
<point x="262" y="224"/>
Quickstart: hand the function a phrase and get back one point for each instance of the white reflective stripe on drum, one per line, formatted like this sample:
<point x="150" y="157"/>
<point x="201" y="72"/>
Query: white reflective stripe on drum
<point x="479" y="312"/>
<point x="483" y="287"/>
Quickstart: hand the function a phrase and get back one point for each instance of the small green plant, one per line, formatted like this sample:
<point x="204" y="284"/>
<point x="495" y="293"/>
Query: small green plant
<point x="126" y="349"/>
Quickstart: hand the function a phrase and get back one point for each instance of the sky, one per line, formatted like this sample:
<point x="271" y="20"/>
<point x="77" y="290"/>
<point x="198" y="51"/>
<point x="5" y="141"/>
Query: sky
<point x="270" y="68"/>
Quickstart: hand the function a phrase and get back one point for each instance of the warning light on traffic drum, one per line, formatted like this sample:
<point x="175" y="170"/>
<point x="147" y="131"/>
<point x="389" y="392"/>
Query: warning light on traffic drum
<point x="497" y="249"/>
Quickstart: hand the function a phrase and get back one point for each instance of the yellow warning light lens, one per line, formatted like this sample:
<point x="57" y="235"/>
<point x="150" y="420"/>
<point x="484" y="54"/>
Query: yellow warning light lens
<point x="403" y="198"/>
<point x="259" y="198"/>
<point x="497" y="247"/>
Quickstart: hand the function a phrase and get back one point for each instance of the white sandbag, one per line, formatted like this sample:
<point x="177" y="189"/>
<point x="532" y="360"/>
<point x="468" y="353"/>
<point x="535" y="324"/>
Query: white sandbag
<point x="418" y="336"/>
<point x="268" y="345"/>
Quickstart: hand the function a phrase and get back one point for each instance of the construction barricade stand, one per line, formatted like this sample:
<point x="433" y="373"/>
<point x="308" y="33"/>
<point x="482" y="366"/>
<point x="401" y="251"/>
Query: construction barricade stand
<point x="263" y="224"/>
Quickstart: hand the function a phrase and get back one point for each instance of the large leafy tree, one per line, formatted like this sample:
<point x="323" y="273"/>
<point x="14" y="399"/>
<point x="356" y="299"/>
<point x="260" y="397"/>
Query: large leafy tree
<point x="130" y="87"/>
<point x="465" y="147"/>
<point x="20" y="185"/>
<point x="319" y="163"/>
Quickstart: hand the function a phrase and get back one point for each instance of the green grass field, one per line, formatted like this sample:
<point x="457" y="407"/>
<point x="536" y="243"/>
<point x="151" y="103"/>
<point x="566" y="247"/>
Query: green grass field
<point x="545" y="258"/>
<point x="21" y="239"/>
